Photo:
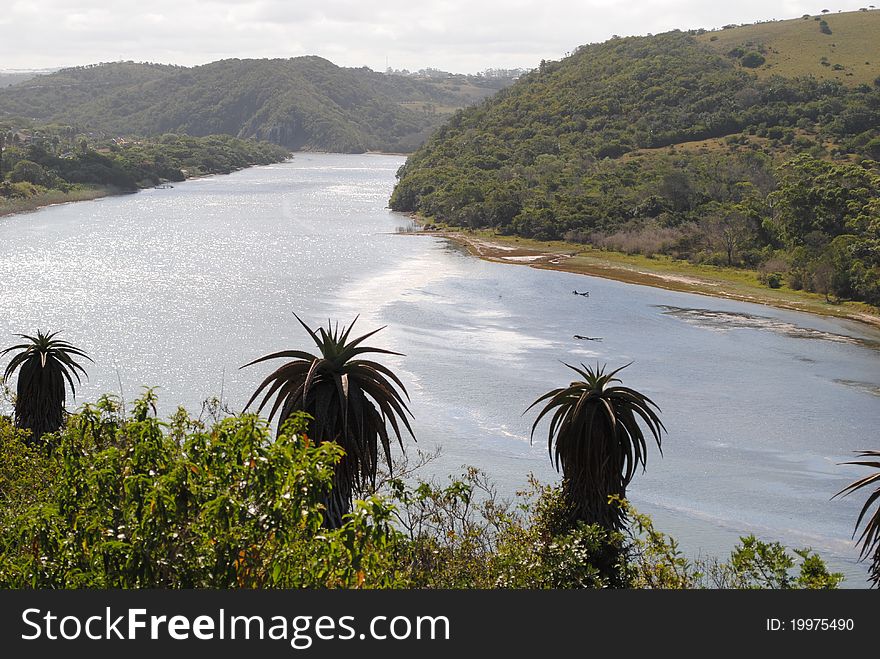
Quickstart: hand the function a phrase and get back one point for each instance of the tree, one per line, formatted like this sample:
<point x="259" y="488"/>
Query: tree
<point x="350" y="401"/>
<point x="30" y="172"/>
<point x="870" y="538"/>
<point x="45" y="363"/>
<point x="815" y="195"/>
<point x="728" y="232"/>
<point x="822" y="278"/>
<point x="595" y="439"/>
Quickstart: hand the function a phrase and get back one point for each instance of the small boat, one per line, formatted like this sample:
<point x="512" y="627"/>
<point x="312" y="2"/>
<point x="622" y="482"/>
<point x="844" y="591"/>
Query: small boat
<point x="587" y="338"/>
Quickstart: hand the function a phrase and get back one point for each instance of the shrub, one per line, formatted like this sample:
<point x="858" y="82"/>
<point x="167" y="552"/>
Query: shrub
<point x="752" y="59"/>
<point x="26" y="171"/>
<point x="134" y="502"/>
<point x="137" y="503"/>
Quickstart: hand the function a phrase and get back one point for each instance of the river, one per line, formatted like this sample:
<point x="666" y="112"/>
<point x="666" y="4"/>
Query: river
<point x="177" y="288"/>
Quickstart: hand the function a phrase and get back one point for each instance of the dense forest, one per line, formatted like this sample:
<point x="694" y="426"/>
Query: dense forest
<point x="55" y="158"/>
<point x="299" y="103"/>
<point x="667" y="144"/>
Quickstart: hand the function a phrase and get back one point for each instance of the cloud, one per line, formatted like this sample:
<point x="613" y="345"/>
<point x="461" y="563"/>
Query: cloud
<point x="457" y="35"/>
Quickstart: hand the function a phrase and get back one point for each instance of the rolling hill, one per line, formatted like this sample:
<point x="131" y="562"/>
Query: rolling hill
<point x="846" y="51"/>
<point x="299" y="103"/>
<point x="686" y="144"/>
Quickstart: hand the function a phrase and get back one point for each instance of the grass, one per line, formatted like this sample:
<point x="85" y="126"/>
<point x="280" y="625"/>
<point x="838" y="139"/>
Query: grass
<point x="50" y="197"/>
<point x="796" y="47"/>
<point x="659" y="271"/>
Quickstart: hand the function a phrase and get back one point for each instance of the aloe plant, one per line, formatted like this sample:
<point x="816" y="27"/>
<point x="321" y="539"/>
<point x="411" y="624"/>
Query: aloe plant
<point x="595" y="439"/>
<point x="43" y="364"/>
<point x="870" y="538"/>
<point x="351" y="400"/>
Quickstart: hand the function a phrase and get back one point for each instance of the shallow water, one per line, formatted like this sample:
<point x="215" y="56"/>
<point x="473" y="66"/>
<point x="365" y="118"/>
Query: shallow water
<point x="180" y="287"/>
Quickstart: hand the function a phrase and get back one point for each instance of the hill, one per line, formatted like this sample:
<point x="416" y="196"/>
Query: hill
<point x="669" y="144"/>
<point x="845" y="51"/>
<point x="299" y="103"/>
<point x="55" y="165"/>
<point x="14" y="76"/>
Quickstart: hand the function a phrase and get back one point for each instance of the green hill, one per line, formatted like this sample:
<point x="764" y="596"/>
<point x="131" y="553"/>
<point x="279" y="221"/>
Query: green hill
<point x="846" y="51"/>
<point x="673" y="144"/>
<point x="299" y="103"/>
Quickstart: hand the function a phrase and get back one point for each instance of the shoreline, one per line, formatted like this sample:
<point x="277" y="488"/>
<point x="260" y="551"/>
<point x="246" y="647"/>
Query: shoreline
<point x="57" y="198"/>
<point x="686" y="278"/>
<point x="54" y="198"/>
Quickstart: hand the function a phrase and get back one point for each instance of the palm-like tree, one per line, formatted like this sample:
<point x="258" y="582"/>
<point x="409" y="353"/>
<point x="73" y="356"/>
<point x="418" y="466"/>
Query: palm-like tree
<point x="45" y="363"/>
<point x="870" y="537"/>
<point x="596" y="440"/>
<point x="351" y="401"/>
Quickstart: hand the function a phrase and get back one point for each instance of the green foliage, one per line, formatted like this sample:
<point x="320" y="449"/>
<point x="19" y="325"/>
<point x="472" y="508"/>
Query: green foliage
<point x="134" y="502"/>
<point x="828" y="216"/>
<point x="460" y="535"/>
<point x="299" y="103"/>
<point x="757" y="564"/>
<point x="752" y="59"/>
<point x="657" y="563"/>
<point x="581" y="149"/>
<point x="26" y="171"/>
<point x="25" y="472"/>
<point x="140" y="503"/>
<point x="772" y="279"/>
<point x="57" y="164"/>
<point x="545" y="549"/>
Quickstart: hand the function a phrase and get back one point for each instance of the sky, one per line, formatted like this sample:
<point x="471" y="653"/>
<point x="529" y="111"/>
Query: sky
<point x="462" y="36"/>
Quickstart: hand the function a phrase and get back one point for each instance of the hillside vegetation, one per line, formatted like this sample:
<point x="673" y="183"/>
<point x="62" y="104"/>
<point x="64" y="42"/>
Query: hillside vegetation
<point x="299" y="103"/>
<point x="58" y="165"/>
<point x="846" y="51"/>
<point x="114" y="495"/>
<point x="667" y="144"/>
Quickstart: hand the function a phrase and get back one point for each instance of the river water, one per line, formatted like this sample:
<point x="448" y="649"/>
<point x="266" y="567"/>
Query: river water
<point x="177" y="288"/>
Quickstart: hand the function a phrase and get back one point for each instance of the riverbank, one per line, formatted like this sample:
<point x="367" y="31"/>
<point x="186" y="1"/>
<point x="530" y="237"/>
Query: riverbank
<point x="12" y="206"/>
<point x="659" y="272"/>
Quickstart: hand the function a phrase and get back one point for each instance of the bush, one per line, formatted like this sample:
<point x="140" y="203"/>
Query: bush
<point x="137" y="503"/>
<point x="116" y="501"/>
<point x="753" y="564"/>
<point x="752" y="59"/>
<point x="27" y="171"/>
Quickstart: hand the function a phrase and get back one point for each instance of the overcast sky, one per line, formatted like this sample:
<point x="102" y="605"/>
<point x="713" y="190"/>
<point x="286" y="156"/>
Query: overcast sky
<point x="454" y="35"/>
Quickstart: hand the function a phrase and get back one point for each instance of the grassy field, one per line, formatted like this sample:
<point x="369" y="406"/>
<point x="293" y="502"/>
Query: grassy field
<point x="797" y="47"/>
<point x="659" y="272"/>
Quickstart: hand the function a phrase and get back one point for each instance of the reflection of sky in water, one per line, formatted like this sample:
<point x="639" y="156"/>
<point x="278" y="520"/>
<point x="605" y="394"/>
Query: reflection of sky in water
<point x="180" y="287"/>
